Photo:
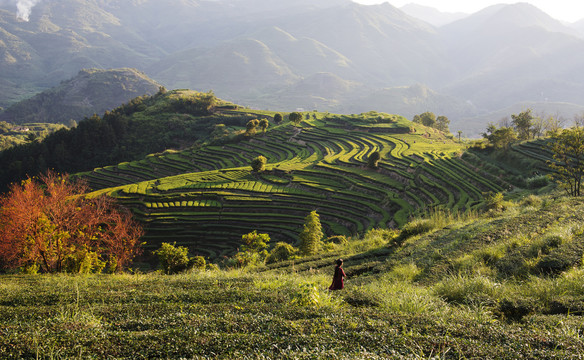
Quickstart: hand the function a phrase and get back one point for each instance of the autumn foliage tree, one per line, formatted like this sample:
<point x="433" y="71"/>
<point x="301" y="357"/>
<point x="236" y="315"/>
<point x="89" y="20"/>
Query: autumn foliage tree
<point x="47" y="225"/>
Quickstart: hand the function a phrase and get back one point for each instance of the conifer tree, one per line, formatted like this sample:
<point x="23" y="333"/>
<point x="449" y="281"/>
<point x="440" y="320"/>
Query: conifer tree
<point x="311" y="235"/>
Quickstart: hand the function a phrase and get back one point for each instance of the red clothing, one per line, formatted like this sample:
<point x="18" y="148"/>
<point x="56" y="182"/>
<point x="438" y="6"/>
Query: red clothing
<point x="338" y="279"/>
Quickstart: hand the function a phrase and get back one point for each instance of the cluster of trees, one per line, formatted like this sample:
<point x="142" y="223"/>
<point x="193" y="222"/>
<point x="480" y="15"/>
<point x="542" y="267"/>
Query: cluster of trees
<point x="429" y="119"/>
<point x="175" y="259"/>
<point x="47" y="225"/>
<point x="259" y="163"/>
<point x="252" y="125"/>
<point x="523" y="126"/>
<point x="566" y="145"/>
<point x="295" y="117"/>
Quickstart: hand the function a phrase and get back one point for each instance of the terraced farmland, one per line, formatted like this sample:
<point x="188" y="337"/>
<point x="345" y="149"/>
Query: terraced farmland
<point x="206" y="198"/>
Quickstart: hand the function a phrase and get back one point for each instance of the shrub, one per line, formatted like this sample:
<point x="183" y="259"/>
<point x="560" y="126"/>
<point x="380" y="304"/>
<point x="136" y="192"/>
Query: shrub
<point x="373" y="160"/>
<point x="537" y="182"/>
<point x="311" y="234"/>
<point x="172" y="259"/>
<point x="197" y="263"/>
<point x="405" y="272"/>
<point x="309" y="295"/>
<point x="337" y="240"/>
<point x="281" y="252"/>
<point x="259" y="163"/>
<point x="532" y="200"/>
<point x="494" y="202"/>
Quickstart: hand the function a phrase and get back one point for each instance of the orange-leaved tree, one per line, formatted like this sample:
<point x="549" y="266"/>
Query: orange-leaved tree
<point x="48" y="225"/>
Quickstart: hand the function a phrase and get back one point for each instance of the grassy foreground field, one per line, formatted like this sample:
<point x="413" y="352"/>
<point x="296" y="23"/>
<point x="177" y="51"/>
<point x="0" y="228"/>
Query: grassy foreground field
<point x="505" y="286"/>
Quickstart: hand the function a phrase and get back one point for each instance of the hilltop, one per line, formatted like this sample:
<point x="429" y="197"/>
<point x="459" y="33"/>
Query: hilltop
<point x="91" y="91"/>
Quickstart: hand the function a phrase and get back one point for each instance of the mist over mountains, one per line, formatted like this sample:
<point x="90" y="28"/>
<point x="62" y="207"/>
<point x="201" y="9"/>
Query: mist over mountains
<point x="332" y="55"/>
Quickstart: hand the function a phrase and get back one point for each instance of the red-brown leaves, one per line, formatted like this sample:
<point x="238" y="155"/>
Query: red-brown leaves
<point x="48" y="223"/>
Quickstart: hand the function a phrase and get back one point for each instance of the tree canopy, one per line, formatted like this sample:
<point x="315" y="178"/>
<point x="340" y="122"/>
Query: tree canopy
<point x="429" y="119"/>
<point x="47" y="225"/>
<point x="295" y="117"/>
<point x="523" y="123"/>
<point x="259" y="163"/>
<point x="373" y="160"/>
<point x="568" y="153"/>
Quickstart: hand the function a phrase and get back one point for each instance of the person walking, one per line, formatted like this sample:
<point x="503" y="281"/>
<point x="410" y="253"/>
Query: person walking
<point x="338" y="277"/>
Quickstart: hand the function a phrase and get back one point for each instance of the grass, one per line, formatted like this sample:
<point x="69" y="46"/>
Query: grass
<point x="447" y="293"/>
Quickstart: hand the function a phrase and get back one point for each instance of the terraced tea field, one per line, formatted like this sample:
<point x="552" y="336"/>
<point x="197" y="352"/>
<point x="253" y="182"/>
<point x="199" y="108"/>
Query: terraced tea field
<point x="207" y="197"/>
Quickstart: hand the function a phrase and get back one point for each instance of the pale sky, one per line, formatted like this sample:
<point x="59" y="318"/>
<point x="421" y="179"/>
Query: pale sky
<point x="565" y="10"/>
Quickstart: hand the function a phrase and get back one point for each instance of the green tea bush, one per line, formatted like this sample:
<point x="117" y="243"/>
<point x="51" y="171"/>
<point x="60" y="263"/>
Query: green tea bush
<point x="197" y="263"/>
<point x="532" y="201"/>
<point x="281" y="252"/>
<point x="310" y="295"/>
<point x="402" y="297"/>
<point x="494" y="202"/>
<point x="337" y="240"/>
<point x="405" y="272"/>
<point x="545" y="244"/>
<point x="172" y="259"/>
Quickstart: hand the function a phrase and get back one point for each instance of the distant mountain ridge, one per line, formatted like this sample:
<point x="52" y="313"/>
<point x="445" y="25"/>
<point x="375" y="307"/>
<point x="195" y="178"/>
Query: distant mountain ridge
<point x="249" y="51"/>
<point x="431" y="15"/>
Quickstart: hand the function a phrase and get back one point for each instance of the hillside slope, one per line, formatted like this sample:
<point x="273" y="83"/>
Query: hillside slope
<point x="91" y="92"/>
<point x="207" y="196"/>
<point x="506" y="286"/>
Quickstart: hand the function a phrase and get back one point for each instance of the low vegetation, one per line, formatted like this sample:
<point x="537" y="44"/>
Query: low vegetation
<point x="465" y="287"/>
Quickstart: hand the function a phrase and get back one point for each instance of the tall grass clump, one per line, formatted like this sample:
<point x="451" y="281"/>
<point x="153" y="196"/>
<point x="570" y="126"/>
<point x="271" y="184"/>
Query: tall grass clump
<point x="416" y="227"/>
<point x="468" y="289"/>
<point x="395" y="292"/>
<point x="436" y="219"/>
<point x="531" y="201"/>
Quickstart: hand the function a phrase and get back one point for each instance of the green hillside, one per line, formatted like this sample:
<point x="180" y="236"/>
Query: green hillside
<point x="184" y="169"/>
<point x="206" y="197"/>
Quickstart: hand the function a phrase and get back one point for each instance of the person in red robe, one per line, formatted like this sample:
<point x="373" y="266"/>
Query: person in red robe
<point x="339" y="277"/>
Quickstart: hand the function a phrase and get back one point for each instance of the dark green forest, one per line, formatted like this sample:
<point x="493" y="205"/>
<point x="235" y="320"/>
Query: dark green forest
<point x="145" y="125"/>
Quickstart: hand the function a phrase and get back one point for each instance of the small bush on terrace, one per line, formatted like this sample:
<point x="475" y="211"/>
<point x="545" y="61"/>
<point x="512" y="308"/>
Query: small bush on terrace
<point x="259" y="163"/>
<point x="172" y="259"/>
<point x="175" y="259"/>
<point x="281" y="252"/>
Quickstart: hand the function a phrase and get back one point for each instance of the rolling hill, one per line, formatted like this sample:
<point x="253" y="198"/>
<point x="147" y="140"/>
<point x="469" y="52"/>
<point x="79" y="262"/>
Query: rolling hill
<point x="91" y="92"/>
<point x="183" y="166"/>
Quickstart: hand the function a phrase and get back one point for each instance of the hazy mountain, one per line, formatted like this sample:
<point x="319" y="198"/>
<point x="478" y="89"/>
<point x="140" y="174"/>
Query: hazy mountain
<point x="90" y="92"/>
<point x="514" y="53"/>
<point x="325" y="54"/>
<point x="431" y="15"/>
<point x="578" y="26"/>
